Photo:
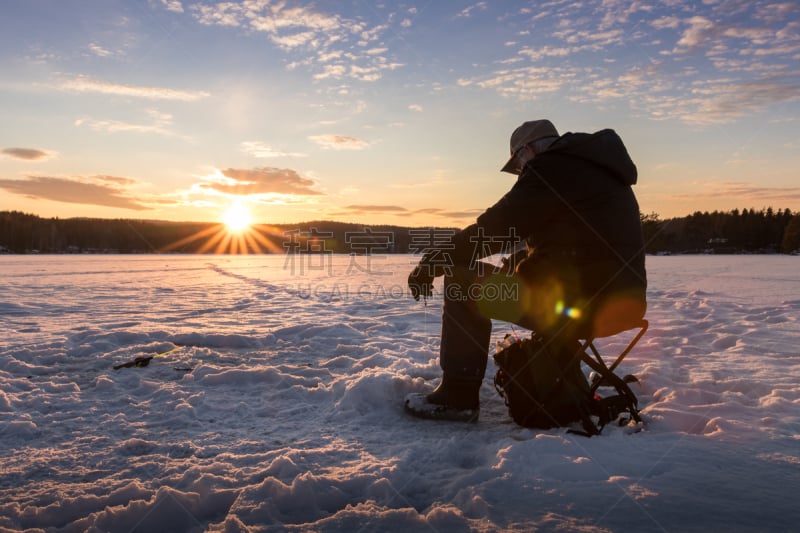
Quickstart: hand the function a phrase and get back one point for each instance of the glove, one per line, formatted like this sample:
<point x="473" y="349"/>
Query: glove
<point x="511" y="262"/>
<point x="420" y="281"/>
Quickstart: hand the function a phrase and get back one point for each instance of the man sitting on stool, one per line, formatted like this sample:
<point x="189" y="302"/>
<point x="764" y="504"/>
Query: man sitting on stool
<point x="582" y="272"/>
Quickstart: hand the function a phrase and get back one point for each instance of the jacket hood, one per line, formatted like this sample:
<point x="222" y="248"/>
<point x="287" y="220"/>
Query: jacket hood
<point x="603" y="148"/>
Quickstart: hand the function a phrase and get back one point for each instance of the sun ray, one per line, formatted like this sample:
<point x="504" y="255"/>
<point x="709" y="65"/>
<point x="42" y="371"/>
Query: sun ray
<point x="261" y="234"/>
<point x="224" y="238"/>
<point x="214" y="239"/>
<point x="192" y="238"/>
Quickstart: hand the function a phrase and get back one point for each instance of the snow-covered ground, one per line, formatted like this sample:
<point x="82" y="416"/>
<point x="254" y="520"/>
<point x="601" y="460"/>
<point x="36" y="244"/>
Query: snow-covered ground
<point x="282" y="407"/>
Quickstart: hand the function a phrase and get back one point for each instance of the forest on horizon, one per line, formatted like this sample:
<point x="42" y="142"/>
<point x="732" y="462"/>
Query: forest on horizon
<point x="737" y="231"/>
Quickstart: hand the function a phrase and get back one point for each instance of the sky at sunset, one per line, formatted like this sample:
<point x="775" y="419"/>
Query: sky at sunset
<point x="384" y="112"/>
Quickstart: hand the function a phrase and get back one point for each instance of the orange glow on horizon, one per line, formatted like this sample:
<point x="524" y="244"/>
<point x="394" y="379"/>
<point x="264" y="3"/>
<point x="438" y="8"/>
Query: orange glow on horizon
<point x="223" y="239"/>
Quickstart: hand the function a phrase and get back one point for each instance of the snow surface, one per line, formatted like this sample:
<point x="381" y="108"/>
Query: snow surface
<point x="282" y="407"/>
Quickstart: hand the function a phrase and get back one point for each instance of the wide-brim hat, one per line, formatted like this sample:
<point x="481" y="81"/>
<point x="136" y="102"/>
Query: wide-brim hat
<point x="527" y="133"/>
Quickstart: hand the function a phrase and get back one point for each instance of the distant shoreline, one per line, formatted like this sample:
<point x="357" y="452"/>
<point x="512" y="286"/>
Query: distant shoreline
<point x="737" y="232"/>
<point x="342" y="254"/>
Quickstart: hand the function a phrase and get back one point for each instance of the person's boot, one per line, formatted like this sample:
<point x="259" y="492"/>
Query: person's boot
<point x="453" y="399"/>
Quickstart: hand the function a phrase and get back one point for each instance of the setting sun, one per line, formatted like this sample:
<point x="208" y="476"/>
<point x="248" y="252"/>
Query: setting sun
<point x="235" y="233"/>
<point x="237" y="218"/>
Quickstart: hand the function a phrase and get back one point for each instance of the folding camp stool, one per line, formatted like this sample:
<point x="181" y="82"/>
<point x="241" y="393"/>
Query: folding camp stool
<point x="625" y="399"/>
<point x="591" y="356"/>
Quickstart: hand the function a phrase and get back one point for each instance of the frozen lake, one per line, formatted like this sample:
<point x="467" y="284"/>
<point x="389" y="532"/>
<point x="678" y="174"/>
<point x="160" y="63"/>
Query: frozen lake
<point x="279" y="404"/>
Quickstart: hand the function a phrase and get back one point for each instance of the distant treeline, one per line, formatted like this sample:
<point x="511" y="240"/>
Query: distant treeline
<point x="26" y="233"/>
<point x="745" y="231"/>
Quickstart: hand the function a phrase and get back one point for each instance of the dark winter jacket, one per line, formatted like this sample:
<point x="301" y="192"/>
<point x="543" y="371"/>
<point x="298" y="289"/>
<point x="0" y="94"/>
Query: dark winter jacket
<point x="574" y="206"/>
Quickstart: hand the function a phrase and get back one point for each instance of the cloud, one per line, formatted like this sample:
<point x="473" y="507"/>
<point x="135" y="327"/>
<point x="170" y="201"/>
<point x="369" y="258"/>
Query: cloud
<point x="699" y="30"/>
<point x="331" y="71"/>
<point x="725" y="101"/>
<point x="160" y="124"/>
<point x="86" y="84"/>
<point x="376" y="209"/>
<point x="527" y="83"/>
<point x="115" y="179"/>
<point x="621" y="13"/>
<point x="28" y="154"/>
<point x="535" y="54"/>
<point x="396" y="210"/>
<point x="261" y="181"/>
<point x="666" y="22"/>
<point x="339" y="142"/>
<point x="99" y="51"/>
<point x="753" y="192"/>
<point x="706" y="63"/>
<point x="450" y="214"/>
<point x="295" y="40"/>
<point x="334" y="46"/>
<point x="415" y="107"/>
<point x="463" y="214"/>
<point x="741" y="193"/>
<point x="173" y="5"/>
<point x="88" y="191"/>
<point x="468" y="11"/>
<point x="786" y="49"/>
<point x="372" y="72"/>
<point x="363" y="210"/>
<point x="264" y="151"/>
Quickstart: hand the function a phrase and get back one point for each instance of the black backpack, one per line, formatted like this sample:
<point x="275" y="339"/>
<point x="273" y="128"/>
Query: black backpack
<point x="544" y="387"/>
